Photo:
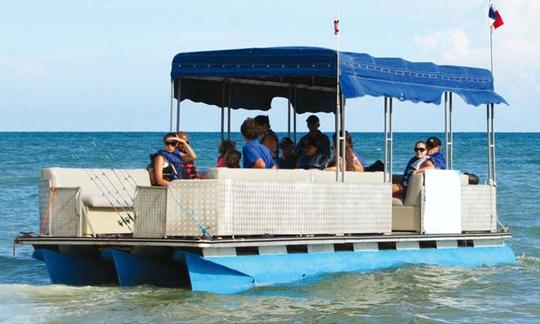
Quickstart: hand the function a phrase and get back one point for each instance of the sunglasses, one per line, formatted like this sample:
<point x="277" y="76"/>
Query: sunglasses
<point x="419" y="149"/>
<point x="171" y="143"/>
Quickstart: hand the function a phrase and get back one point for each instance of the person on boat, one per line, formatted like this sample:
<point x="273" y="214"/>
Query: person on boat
<point x="352" y="159"/>
<point x="232" y="159"/>
<point x="288" y="159"/>
<point x="255" y="155"/>
<point x="224" y="147"/>
<point x="267" y="136"/>
<point x="435" y="159"/>
<point x="313" y="125"/>
<point x="166" y="164"/>
<point x="311" y="157"/>
<point x="419" y="158"/>
<point x="188" y="157"/>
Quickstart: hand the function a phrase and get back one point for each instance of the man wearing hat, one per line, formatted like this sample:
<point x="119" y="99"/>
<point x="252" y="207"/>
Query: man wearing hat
<point x="323" y="140"/>
<point x="435" y="159"/>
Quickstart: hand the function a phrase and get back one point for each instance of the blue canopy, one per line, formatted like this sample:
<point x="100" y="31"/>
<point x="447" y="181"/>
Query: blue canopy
<point x="307" y="76"/>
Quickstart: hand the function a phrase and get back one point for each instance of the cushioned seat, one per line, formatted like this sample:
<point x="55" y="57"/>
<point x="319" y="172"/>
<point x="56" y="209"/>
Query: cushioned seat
<point x="100" y="187"/>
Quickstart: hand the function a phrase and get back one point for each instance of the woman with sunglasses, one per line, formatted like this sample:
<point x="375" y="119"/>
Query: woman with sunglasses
<point x="167" y="163"/>
<point x="420" y="156"/>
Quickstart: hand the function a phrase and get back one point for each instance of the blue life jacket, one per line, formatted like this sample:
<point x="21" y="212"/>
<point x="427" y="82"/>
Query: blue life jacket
<point x="175" y="170"/>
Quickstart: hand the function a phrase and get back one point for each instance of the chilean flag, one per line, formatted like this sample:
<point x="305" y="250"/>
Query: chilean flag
<point x="495" y="16"/>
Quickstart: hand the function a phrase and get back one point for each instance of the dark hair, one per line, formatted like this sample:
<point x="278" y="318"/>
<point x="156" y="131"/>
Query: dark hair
<point x="249" y="129"/>
<point x="311" y="141"/>
<point x="232" y="158"/>
<point x="349" y="153"/>
<point x="433" y="141"/>
<point x="286" y="141"/>
<point x="169" y="135"/>
<point x="263" y="120"/>
<point x="225" y="146"/>
<point x="419" y="142"/>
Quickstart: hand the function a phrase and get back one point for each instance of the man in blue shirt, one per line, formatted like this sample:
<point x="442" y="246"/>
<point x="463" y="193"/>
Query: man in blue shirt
<point x="435" y="159"/>
<point x="255" y="155"/>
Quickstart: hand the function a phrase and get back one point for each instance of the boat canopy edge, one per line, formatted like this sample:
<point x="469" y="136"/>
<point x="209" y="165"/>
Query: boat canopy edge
<point x="250" y="78"/>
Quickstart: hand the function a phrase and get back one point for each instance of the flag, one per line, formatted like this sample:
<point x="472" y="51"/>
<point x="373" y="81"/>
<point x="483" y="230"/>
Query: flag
<point x="336" y="26"/>
<point x="495" y="16"/>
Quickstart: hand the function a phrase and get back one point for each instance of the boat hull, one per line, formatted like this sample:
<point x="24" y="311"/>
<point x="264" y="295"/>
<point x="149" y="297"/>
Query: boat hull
<point x="226" y="274"/>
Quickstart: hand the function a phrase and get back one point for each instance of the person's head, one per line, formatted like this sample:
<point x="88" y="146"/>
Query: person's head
<point x="420" y="149"/>
<point x="225" y="146"/>
<point x="184" y="137"/>
<point x="263" y="123"/>
<point x="232" y="159"/>
<point x="170" y="142"/>
<point x="249" y="129"/>
<point x="286" y="146"/>
<point x="311" y="146"/>
<point x="433" y="145"/>
<point x="313" y="123"/>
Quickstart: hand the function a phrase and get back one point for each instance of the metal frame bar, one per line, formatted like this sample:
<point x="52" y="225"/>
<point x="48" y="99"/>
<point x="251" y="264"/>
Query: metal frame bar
<point x="223" y="112"/>
<point x="178" y="100"/>
<point x="448" y="131"/>
<point x="172" y="107"/>
<point x="289" y="114"/>
<point x="491" y="144"/>
<point x="343" y="136"/>
<point x="229" y="113"/>
<point x="294" y="115"/>
<point x="337" y="143"/>
<point x="388" y="140"/>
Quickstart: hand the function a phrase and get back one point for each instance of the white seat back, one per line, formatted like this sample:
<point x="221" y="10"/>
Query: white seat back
<point x="100" y="187"/>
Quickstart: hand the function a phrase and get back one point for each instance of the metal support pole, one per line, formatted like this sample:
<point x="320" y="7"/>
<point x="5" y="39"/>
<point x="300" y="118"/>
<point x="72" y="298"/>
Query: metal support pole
<point x="338" y="135"/>
<point x="172" y="105"/>
<point x="223" y="111"/>
<point x="388" y="140"/>
<point x="450" y="142"/>
<point x="178" y="100"/>
<point x="294" y="116"/>
<point x="493" y="159"/>
<point x="391" y="138"/>
<point x="289" y="114"/>
<point x="446" y="126"/>
<point x="491" y="145"/>
<point x="385" y="139"/>
<point x="343" y="137"/>
<point x="229" y="113"/>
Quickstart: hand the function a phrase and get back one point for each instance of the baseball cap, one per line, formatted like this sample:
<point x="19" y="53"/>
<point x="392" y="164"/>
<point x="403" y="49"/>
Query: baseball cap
<point x="433" y="141"/>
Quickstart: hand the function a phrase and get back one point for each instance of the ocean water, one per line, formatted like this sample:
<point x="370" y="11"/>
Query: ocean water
<point x="409" y="294"/>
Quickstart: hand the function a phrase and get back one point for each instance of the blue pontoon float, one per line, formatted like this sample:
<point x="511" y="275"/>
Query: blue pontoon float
<point x="226" y="233"/>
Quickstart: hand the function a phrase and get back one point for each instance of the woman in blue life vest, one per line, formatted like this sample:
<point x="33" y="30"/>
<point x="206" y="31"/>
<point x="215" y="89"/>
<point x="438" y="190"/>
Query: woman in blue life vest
<point x="167" y="163"/>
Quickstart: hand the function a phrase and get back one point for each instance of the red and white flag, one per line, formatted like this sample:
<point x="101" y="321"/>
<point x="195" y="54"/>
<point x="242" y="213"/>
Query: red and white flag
<point x="336" y="26"/>
<point x="495" y="17"/>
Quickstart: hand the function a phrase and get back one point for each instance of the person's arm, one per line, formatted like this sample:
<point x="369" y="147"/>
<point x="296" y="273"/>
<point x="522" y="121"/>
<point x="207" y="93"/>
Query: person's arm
<point x="259" y="164"/>
<point x="358" y="166"/>
<point x="189" y="155"/>
<point x="425" y="166"/>
<point x="158" y="171"/>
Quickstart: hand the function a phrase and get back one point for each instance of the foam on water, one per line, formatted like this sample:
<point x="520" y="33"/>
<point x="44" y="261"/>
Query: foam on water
<point x="412" y="293"/>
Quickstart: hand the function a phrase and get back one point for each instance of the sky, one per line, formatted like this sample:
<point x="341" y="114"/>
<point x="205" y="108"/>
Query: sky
<point x="104" y="65"/>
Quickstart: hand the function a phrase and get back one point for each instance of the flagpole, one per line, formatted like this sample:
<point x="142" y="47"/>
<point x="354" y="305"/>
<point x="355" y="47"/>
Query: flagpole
<point x="491" y="49"/>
